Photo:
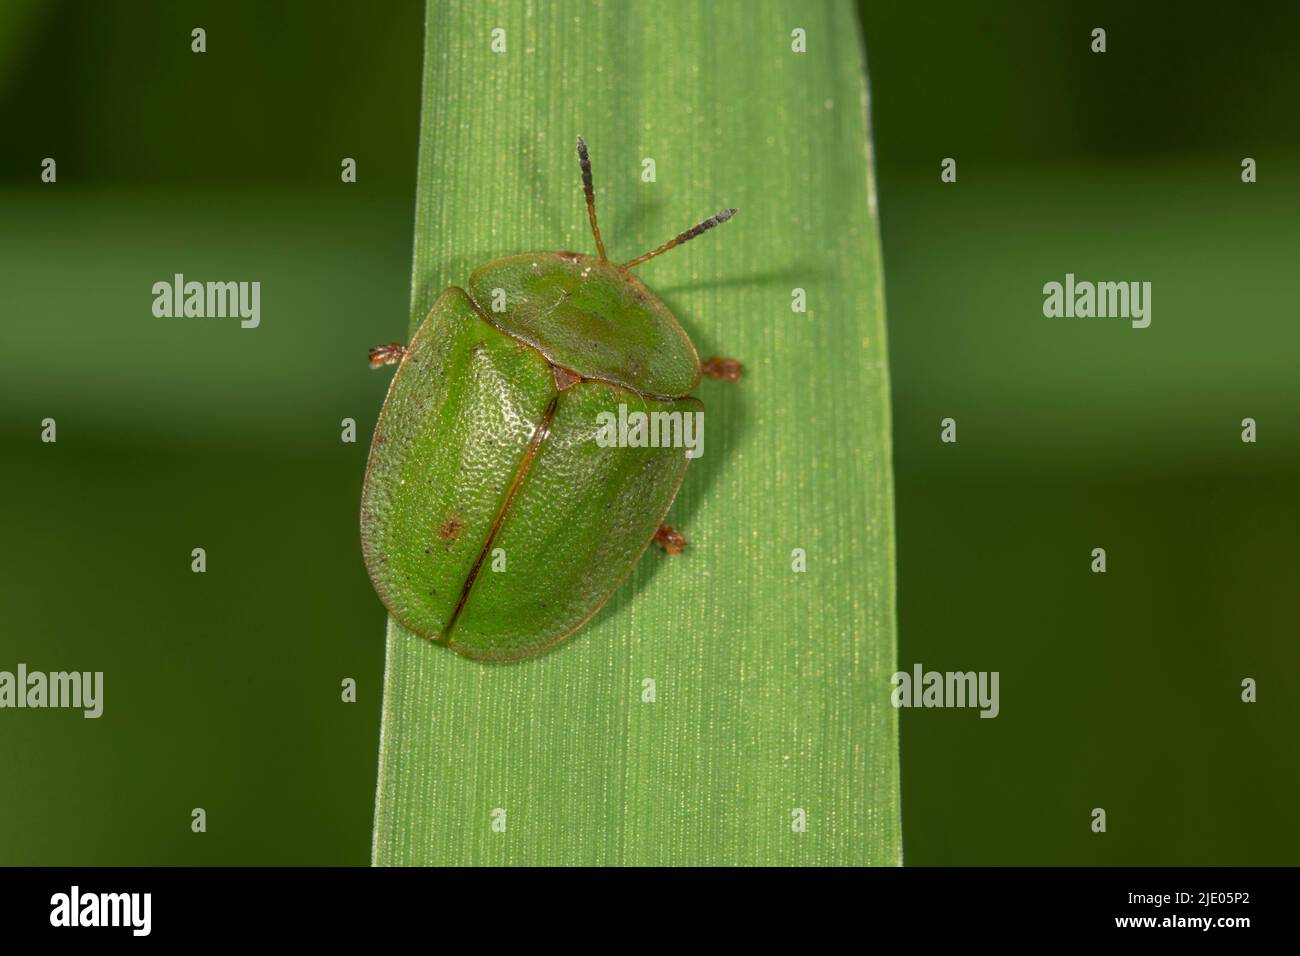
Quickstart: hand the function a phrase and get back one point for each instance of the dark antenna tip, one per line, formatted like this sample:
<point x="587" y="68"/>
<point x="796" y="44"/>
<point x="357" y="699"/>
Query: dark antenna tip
<point x="715" y="220"/>
<point x="589" y="190"/>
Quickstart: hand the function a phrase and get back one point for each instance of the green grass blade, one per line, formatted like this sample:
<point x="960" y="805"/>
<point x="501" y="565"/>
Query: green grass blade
<point x="771" y="687"/>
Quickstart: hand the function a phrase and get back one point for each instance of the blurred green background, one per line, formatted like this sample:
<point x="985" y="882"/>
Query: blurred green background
<point x="223" y="689"/>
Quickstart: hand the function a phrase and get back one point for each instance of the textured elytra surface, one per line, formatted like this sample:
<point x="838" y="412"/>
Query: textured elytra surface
<point x="583" y="515"/>
<point x="459" y="415"/>
<point x="476" y="450"/>
<point x="768" y="689"/>
<point x="591" y="317"/>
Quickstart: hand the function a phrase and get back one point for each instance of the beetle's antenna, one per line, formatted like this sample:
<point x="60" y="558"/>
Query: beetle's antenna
<point x="585" y="161"/>
<point x="689" y="234"/>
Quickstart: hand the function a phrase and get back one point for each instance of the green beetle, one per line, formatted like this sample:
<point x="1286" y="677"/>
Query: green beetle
<point x="488" y="458"/>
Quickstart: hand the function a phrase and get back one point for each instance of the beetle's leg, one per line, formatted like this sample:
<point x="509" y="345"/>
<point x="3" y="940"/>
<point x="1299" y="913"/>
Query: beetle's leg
<point x="387" y="354"/>
<point x="722" y="368"/>
<point x="670" y="539"/>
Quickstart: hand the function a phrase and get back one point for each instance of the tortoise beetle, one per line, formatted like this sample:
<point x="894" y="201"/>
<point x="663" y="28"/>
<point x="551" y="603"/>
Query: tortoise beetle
<point x="485" y="457"/>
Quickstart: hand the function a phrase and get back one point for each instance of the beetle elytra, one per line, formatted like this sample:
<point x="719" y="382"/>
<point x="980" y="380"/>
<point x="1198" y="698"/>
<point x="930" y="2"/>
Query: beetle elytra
<point x="492" y="520"/>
